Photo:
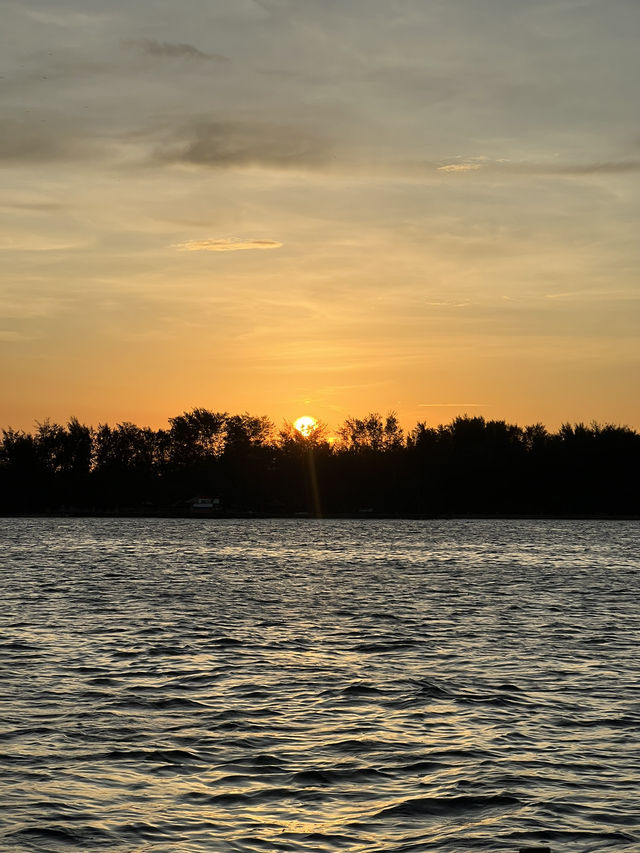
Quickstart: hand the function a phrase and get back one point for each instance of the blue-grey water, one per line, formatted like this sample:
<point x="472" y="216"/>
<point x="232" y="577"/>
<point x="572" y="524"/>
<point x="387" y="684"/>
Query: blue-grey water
<point x="276" y="685"/>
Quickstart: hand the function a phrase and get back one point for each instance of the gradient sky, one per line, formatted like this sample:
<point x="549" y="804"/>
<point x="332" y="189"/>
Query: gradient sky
<point x="320" y="206"/>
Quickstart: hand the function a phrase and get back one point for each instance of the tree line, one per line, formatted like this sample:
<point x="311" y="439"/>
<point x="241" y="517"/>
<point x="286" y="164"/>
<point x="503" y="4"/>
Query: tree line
<point x="243" y="465"/>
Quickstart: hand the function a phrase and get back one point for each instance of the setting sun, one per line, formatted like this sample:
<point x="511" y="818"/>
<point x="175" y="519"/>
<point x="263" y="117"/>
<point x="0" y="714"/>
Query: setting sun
<point x="306" y="425"/>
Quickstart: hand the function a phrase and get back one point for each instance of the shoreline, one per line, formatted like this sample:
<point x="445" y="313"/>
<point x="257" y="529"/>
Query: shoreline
<point x="359" y="516"/>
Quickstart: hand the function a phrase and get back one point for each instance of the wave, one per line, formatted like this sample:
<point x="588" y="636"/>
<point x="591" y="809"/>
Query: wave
<point x="450" y="806"/>
<point x="406" y="694"/>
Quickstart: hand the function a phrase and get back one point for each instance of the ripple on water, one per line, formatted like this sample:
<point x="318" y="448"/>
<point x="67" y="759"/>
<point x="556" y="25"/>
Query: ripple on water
<point x="360" y="686"/>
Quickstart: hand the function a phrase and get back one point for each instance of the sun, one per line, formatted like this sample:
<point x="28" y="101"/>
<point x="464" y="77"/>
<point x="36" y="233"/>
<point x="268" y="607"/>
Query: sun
<point x="306" y="425"/>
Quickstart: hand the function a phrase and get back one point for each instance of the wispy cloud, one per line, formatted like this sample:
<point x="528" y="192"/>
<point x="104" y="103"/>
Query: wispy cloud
<point x="460" y="167"/>
<point x="505" y="165"/>
<point x="220" y="143"/>
<point x="25" y="139"/>
<point x="10" y="335"/>
<point x="608" y="294"/>
<point x="225" y="244"/>
<point x="601" y="168"/>
<point x="174" y="50"/>
<point x="36" y="243"/>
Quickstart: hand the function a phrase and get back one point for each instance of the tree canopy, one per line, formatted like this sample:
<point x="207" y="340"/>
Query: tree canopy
<point x="243" y="464"/>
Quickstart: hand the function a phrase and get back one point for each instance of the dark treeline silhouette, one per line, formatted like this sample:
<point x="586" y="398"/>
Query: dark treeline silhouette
<point x="215" y="463"/>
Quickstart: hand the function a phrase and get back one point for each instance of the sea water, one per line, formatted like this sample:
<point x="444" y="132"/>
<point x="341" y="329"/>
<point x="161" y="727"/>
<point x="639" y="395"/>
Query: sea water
<point x="319" y="685"/>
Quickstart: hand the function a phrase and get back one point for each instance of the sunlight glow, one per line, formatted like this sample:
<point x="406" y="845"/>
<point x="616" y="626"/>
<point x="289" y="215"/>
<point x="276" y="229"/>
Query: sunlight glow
<point x="305" y="425"/>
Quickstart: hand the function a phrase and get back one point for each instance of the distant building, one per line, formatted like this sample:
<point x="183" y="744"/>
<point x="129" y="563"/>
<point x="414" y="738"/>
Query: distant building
<point x="202" y="505"/>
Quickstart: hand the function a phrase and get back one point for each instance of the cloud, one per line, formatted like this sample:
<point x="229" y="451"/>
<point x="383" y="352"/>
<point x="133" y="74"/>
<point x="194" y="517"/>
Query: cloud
<point x="619" y="167"/>
<point x="613" y="167"/>
<point x="460" y="167"/>
<point x="225" y="244"/>
<point x="37" y="206"/>
<point x="450" y="405"/>
<point x="48" y="136"/>
<point x="10" y="335"/>
<point x="30" y="141"/>
<point x="220" y="143"/>
<point x="66" y="18"/>
<point x="36" y="243"/>
<point x="174" y="51"/>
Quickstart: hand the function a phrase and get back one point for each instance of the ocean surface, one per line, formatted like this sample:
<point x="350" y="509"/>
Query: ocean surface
<point x="319" y="685"/>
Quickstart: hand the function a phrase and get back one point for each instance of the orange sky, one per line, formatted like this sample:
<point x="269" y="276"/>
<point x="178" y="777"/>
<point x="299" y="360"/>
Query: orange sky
<point x="297" y="207"/>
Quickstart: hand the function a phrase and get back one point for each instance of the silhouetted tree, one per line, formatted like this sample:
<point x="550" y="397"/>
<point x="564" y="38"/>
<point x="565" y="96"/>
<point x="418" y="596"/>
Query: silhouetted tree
<point x="242" y="432"/>
<point x="195" y="435"/>
<point x="469" y="466"/>
<point x="371" y="433"/>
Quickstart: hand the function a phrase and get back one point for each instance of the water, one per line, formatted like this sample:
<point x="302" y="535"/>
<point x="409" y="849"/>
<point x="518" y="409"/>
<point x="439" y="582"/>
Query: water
<point x="369" y="686"/>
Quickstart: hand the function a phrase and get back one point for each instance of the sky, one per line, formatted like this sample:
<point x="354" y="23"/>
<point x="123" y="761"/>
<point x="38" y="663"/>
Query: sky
<point x="323" y="207"/>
